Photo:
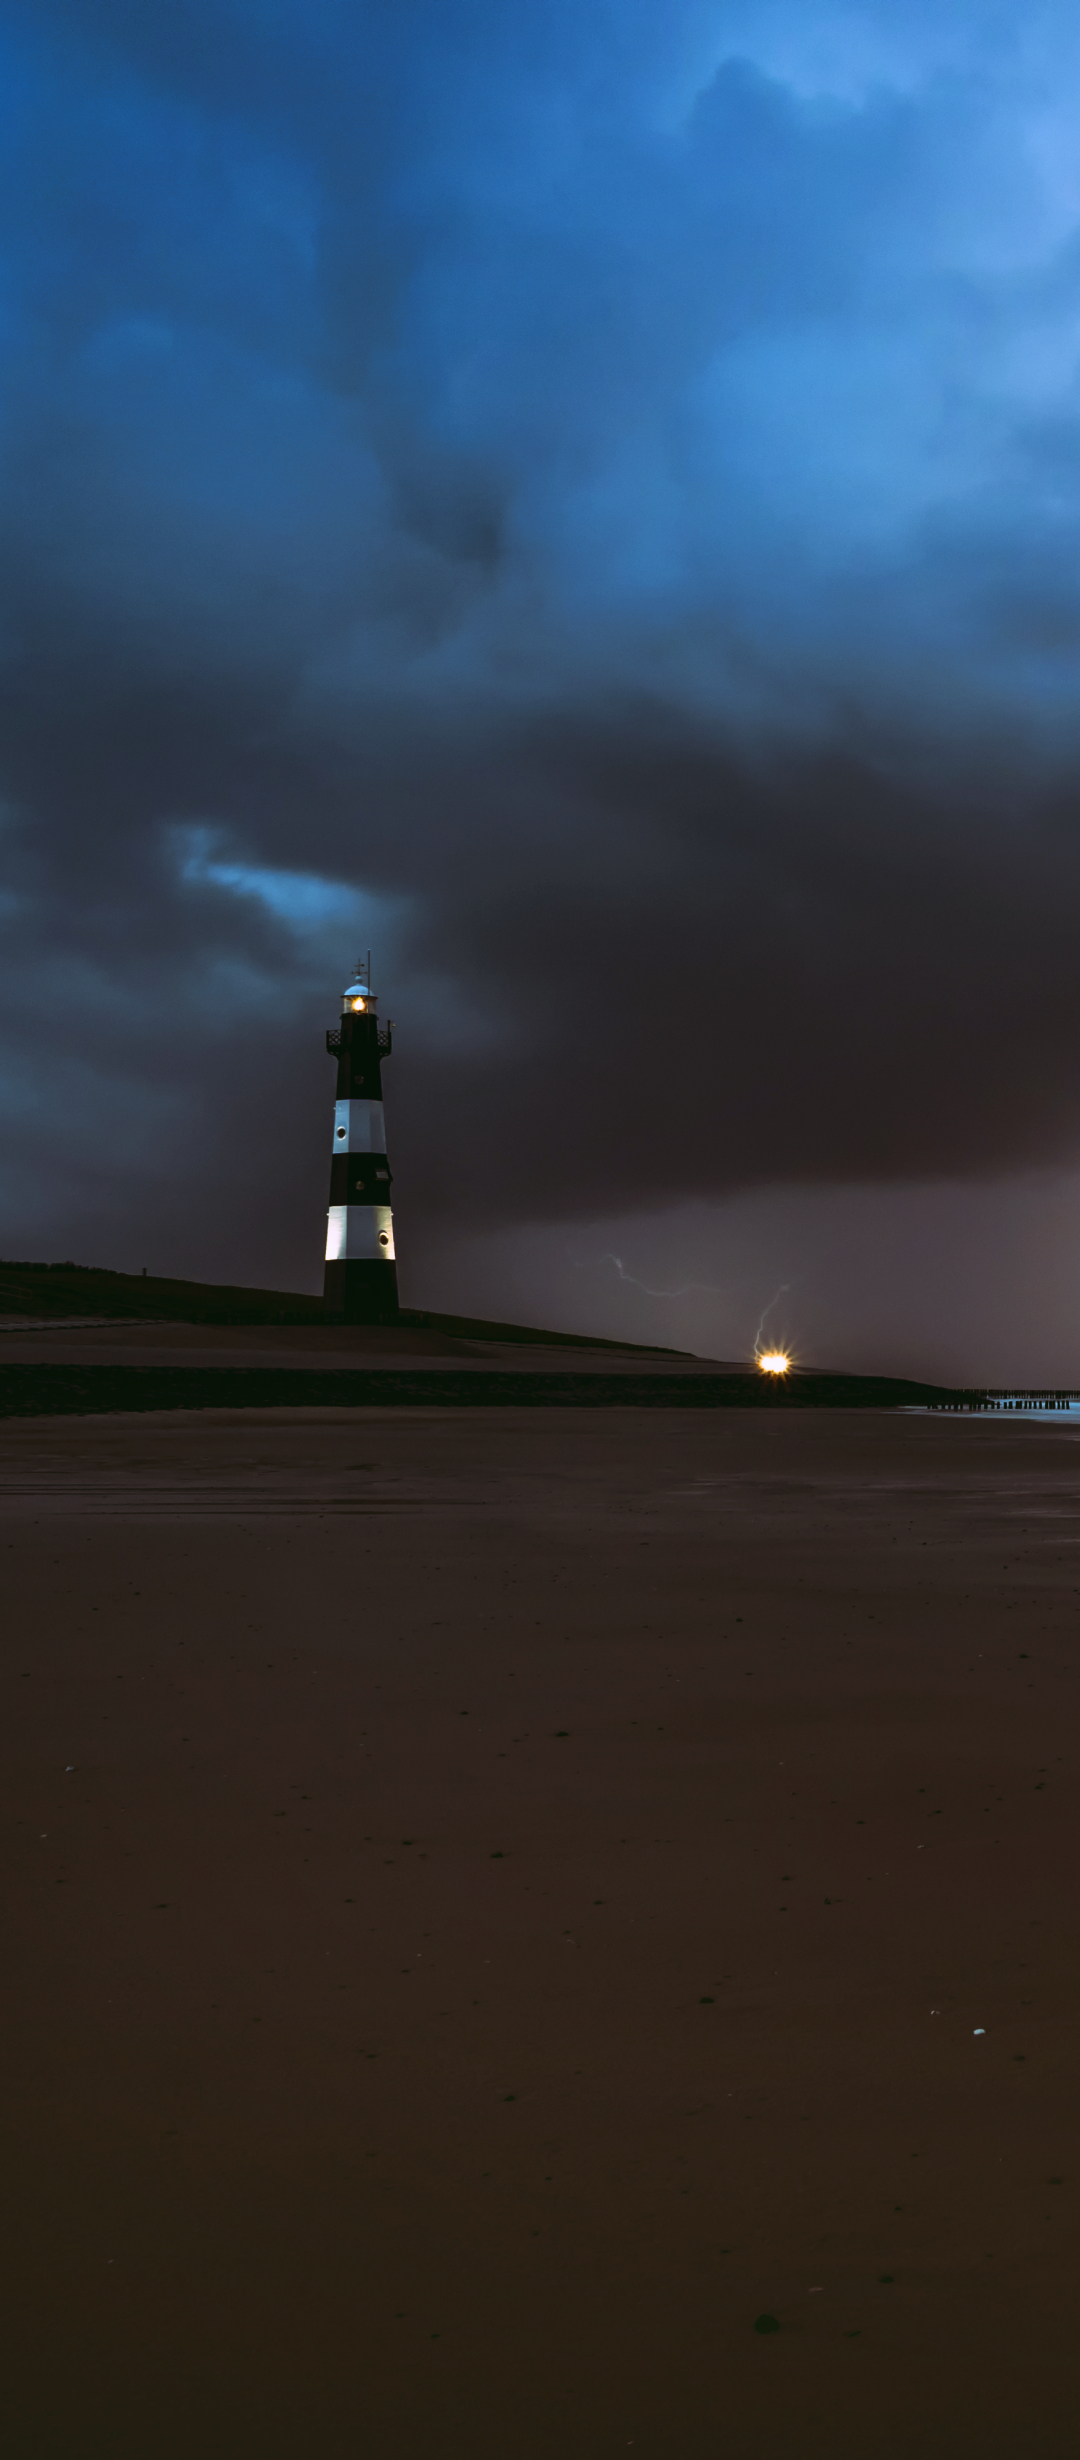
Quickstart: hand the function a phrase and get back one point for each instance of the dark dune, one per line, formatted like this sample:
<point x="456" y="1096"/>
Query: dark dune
<point x="51" y="1391"/>
<point x="50" y="1368"/>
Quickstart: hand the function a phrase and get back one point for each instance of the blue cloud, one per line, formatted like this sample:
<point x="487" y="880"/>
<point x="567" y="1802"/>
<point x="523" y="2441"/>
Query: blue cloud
<point x="443" y="344"/>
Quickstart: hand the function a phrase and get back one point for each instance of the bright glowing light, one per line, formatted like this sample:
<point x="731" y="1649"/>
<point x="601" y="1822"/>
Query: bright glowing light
<point x="774" y="1362"/>
<point x="358" y="1003"/>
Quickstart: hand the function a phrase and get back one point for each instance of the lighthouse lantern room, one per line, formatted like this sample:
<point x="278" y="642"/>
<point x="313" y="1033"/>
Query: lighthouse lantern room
<point x="360" y="1283"/>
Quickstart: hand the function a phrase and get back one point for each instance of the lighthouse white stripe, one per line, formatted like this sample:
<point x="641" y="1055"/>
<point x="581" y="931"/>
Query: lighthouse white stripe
<point x="359" y="1127"/>
<point x="357" y="1232"/>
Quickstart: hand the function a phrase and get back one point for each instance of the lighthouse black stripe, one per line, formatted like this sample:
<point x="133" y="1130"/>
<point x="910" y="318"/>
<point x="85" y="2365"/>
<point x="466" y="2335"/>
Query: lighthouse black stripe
<point x="361" y="1293"/>
<point x="360" y="1178"/>
<point x="365" y="1081"/>
<point x="358" y="1058"/>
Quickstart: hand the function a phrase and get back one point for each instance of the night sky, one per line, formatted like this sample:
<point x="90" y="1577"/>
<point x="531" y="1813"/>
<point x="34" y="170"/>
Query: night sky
<point x="583" y="496"/>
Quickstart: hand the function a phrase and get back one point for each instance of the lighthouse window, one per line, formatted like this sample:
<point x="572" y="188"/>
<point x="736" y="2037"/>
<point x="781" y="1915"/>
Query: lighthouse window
<point x="341" y="1131"/>
<point x="383" y="1239"/>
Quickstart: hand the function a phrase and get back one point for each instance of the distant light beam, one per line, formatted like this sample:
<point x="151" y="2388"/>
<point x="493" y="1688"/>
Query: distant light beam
<point x="777" y="1294"/>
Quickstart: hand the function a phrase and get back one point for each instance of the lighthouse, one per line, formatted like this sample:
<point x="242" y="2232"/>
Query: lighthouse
<point x="360" y="1283"/>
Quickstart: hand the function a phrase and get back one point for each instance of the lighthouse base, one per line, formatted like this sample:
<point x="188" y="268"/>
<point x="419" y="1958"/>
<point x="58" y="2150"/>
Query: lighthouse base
<point x="356" y="1291"/>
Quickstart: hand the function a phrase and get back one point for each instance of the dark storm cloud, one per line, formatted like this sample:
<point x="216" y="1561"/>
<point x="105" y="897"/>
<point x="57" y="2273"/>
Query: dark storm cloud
<point x="588" y="497"/>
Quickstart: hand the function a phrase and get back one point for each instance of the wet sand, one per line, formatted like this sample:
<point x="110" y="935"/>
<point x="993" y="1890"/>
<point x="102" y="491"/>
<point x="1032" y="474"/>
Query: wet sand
<point x="499" y="1901"/>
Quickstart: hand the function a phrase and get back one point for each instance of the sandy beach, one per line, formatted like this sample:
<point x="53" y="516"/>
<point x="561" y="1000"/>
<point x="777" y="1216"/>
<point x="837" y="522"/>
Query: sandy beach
<point x="498" y="1902"/>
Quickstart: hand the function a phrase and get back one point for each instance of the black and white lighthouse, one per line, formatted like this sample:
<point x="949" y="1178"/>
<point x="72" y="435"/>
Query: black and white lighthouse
<point x="360" y="1282"/>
